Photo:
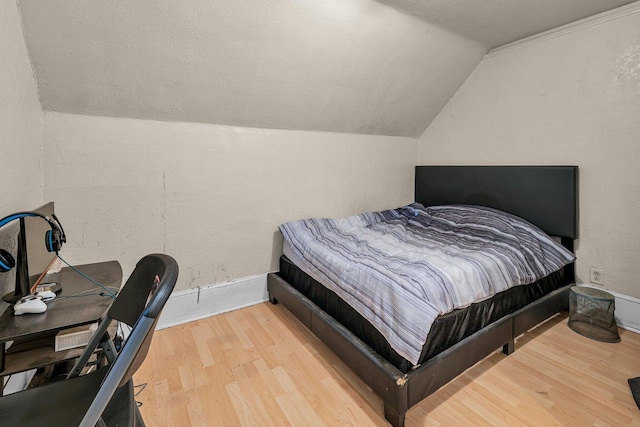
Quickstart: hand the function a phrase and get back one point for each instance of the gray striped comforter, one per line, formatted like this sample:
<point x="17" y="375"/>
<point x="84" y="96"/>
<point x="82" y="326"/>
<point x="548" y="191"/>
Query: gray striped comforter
<point x="401" y="268"/>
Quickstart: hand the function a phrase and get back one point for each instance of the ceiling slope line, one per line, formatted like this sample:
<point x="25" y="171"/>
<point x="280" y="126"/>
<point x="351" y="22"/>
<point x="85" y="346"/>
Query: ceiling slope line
<point x="572" y="27"/>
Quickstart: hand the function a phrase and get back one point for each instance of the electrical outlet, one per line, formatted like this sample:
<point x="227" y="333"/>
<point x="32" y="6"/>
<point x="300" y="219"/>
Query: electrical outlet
<point x="597" y="276"/>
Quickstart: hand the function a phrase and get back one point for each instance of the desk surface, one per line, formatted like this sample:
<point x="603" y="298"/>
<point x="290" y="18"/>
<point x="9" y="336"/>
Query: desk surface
<point x="63" y="312"/>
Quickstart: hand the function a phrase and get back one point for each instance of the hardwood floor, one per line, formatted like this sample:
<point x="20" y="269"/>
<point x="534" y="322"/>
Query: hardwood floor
<point x="260" y="367"/>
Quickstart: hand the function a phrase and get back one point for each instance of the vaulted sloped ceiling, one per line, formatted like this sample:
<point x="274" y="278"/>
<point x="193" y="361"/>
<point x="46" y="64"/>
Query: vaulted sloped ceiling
<point x="494" y="23"/>
<point x="360" y="66"/>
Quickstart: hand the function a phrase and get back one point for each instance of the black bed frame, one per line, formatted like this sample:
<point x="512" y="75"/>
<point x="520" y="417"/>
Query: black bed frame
<point x="544" y="195"/>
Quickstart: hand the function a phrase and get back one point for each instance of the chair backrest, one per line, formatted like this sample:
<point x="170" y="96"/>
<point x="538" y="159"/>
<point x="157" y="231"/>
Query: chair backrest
<point x="139" y="305"/>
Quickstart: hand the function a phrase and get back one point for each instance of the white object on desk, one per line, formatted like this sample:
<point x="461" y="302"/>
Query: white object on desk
<point x="46" y="296"/>
<point x="29" y="304"/>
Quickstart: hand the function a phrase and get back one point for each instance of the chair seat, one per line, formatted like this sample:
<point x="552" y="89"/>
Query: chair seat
<point x="63" y="403"/>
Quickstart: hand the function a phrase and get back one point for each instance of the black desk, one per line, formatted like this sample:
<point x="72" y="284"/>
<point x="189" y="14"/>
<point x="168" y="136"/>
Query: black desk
<point x="34" y="334"/>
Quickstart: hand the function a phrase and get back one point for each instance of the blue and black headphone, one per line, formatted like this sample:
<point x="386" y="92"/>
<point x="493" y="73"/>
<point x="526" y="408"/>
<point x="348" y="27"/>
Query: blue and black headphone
<point x="53" y="239"/>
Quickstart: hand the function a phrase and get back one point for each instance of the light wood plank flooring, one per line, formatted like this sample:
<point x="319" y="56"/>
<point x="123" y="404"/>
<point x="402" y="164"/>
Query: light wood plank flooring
<point x="260" y="367"/>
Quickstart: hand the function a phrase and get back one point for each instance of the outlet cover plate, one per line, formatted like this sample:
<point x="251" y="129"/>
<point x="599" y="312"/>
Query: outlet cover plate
<point x="597" y="276"/>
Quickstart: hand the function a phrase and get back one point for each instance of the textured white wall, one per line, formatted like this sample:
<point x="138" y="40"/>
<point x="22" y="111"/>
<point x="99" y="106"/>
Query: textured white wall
<point x="211" y="196"/>
<point x="20" y="129"/>
<point x="20" y="117"/>
<point x="569" y="99"/>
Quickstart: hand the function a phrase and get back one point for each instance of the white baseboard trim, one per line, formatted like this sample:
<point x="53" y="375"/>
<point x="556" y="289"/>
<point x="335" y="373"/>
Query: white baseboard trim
<point x="205" y="301"/>
<point x="627" y="312"/>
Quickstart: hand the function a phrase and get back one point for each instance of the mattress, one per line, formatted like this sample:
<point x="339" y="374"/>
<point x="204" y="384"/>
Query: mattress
<point x="447" y="329"/>
<point x="402" y="268"/>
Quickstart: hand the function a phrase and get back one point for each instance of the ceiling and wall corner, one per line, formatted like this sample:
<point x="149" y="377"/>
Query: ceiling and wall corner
<point x="494" y="23"/>
<point x="353" y="67"/>
<point x="383" y="67"/>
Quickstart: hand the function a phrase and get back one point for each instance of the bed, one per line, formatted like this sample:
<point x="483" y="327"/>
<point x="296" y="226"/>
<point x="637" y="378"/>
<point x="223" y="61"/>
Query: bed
<point x="546" y="196"/>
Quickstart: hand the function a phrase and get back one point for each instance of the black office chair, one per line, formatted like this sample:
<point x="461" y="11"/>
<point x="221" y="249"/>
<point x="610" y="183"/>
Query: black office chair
<point x="104" y="396"/>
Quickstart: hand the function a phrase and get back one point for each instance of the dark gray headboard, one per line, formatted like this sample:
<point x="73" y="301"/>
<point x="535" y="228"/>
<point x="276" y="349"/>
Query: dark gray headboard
<point x="546" y="196"/>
